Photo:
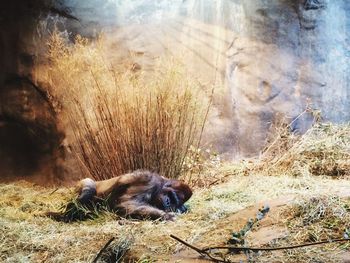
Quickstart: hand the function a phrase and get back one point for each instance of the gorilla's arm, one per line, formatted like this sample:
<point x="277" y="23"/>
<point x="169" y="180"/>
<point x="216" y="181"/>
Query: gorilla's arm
<point x="139" y="210"/>
<point x="87" y="191"/>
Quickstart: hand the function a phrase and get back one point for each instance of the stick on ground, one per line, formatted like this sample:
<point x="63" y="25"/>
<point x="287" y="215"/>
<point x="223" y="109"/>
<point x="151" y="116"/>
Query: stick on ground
<point x="103" y="249"/>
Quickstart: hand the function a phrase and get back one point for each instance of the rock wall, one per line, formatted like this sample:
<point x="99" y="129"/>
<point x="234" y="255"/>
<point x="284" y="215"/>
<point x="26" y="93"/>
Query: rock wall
<point x="273" y="57"/>
<point x="287" y="56"/>
<point x="264" y="58"/>
<point x="270" y="58"/>
<point x="30" y="136"/>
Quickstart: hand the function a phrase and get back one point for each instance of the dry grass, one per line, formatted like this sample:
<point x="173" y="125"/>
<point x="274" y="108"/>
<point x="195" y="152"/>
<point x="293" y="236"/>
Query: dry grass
<point x="323" y="150"/>
<point x="202" y="168"/>
<point x="25" y="237"/>
<point x="124" y="121"/>
<point x="319" y="218"/>
<point x="314" y="219"/>
<point x="323" y="217"/>
<point x="100" y="117"/>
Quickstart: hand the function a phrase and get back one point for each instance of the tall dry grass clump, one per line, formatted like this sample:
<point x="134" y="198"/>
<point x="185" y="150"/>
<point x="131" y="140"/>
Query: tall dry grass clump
<point x="123" y="121"/>
<point x="323" y="150"/>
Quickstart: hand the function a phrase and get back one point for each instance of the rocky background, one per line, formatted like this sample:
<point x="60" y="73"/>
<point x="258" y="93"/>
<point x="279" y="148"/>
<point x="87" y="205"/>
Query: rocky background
<point x="265" y="59"/>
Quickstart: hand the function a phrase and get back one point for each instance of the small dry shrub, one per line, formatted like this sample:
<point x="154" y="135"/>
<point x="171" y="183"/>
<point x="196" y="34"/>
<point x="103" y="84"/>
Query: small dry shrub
<point x="199" y="167"/>
<point x="280" y="139"/>
<point x="117" y="251"/>
<point x="319" y="218"/>
<point x="124" y="121"/>
<point x="320" y="208"/>
<point x="323" y="150"/>
<point x="311" y="220"/>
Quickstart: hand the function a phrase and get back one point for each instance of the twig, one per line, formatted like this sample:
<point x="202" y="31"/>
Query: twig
<point x="214" y="182"/>
<point x="54" y="191"/>
<point x="255" y="249"/>
<point x="200" y="251"/>
<point x="187" y="244"/>
<point x="206" y="251"/>
<point x="103" y="249"/>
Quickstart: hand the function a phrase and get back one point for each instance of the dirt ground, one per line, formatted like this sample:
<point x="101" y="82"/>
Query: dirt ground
<point x="305" y="182"/>
<point x="214" y="214"/>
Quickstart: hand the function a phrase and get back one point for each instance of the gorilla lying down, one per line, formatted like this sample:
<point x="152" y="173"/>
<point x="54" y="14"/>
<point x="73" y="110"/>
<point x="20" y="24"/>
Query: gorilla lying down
<point x="140" y="194"/>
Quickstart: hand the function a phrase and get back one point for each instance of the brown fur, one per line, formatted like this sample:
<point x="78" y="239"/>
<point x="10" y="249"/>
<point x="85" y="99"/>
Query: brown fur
<point x="140" y="194"/>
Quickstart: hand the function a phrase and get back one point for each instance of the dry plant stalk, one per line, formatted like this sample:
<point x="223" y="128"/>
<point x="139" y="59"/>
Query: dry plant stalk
<point x="322" y="150"/>
<point x="126" y="121"/>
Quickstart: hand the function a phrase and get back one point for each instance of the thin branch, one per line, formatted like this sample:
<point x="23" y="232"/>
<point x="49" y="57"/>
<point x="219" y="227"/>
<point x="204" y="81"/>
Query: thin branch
<point x="206" y="251"/>
<point x="200" y="251"/>
<point x="187" y="244"/>
<point x="255" y="249"/>
<point x="103" y="249"/>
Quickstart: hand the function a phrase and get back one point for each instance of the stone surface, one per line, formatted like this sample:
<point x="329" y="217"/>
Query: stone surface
<point x="274" y="57"/>
<point x="30" y="136"/>
<point x="289" y="54"/>
<point x="265" y="58"/>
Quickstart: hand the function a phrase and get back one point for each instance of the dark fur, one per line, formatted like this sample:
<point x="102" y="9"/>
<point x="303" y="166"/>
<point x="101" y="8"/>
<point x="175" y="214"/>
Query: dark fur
<point x="140" y="194"/>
